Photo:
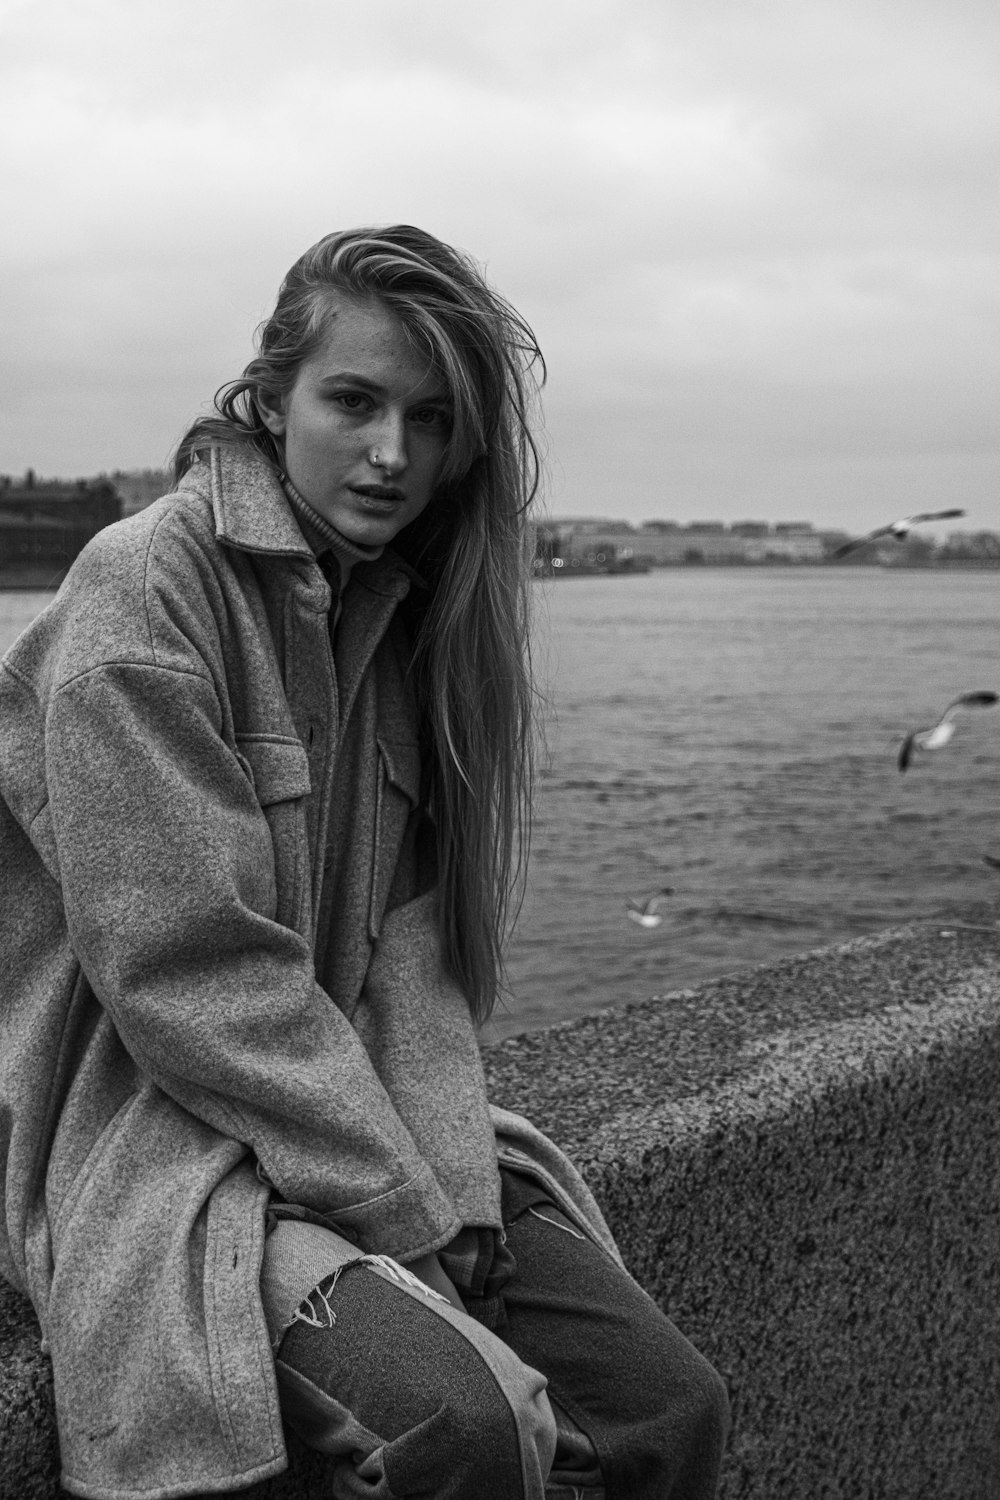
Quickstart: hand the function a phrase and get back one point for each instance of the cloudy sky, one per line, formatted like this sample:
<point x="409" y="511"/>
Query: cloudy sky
<point x="757" y="239"/>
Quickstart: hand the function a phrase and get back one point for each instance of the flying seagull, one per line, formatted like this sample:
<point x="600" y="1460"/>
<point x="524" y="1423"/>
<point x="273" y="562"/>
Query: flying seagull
<point x="645" y="912"/>
<point x="940" y="733"/>
<point x="897" y="529"/>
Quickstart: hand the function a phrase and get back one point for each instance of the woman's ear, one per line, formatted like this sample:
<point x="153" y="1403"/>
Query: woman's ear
<point x="272" y="410"/>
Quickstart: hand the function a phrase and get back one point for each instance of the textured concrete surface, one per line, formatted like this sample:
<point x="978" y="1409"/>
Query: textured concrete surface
<point x="802" y="1164"/>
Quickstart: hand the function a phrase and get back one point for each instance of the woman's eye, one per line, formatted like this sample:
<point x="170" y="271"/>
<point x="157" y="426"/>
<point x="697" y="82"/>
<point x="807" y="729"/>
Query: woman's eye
<point x="437" y="418"/>
<point x="352" y="401"/>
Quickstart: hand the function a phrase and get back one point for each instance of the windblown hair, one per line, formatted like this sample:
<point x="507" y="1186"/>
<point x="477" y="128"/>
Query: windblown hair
<point x="471" y="545"/>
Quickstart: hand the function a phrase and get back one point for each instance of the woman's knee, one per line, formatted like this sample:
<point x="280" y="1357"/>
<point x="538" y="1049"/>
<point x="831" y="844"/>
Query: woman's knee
<point x="671" y="1407"/>
<point x="713" y="1416"/>
<point x="694" y="1418"/>
<point x="692" y="1387"/>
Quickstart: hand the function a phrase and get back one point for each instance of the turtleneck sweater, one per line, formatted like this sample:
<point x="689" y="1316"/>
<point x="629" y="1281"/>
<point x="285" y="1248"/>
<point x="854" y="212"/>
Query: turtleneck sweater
<point x="322" y="536"/>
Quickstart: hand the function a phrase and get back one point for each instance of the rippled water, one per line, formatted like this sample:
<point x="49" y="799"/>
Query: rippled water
<point x="729" y="732"/>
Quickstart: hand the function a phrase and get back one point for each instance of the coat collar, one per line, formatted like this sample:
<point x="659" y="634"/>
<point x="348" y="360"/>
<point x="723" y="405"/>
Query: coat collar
<point x="250" y="507"/>
<point x="253" y="513"/>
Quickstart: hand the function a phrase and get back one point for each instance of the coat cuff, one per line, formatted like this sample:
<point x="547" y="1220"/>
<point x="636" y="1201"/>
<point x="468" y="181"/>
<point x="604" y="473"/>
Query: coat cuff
<point x="409" y="1221"/>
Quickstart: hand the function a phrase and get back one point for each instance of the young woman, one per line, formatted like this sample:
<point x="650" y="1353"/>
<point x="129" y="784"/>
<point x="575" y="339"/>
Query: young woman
<point x="263" y="767"/>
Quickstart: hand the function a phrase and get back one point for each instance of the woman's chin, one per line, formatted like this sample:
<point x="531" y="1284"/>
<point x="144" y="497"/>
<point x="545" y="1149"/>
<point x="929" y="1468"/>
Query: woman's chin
<point x="369" y="522"/>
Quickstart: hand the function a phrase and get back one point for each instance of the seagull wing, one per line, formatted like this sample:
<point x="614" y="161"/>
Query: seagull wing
<point x="897" y="529"/>
<point x="906" y="750"/>
<point x="935" y="515"/>
<point x="852" y="546"/>
<point x="657" y="899"/>
<point x="969" y="700"/>
<point x="862" y="541"/>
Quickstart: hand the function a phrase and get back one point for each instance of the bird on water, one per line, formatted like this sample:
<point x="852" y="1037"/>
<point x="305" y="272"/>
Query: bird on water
<point x="645" y="912"/>
<point x="897" y="529"/>
<point x="940" y="733"/>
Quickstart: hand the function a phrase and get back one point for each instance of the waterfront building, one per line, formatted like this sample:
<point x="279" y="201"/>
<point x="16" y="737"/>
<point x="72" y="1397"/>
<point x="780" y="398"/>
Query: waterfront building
<point x="140" y="487"/>
<point x="658" y="543"/>
<point x="792" y="544"/>
<point x="45" y="524"/>
<point x="750" y="528"/>
<point x="701" y="542"/>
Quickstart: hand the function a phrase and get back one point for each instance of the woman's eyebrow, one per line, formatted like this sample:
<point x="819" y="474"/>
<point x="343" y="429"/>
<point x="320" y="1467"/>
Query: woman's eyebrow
<point x="351" y="377"/>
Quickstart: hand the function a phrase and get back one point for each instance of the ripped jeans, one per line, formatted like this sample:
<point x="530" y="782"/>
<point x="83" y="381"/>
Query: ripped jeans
<point x="586" y="1390"/>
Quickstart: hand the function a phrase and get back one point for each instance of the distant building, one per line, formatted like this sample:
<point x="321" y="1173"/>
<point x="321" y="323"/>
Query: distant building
<point x="591" y="544"/>
<point x="45" y="524"/>
<point x="591" y="526"/>
<point x="787" y="544"/>
<point x="698" y="543"/>
<point x="750" y="528"/>
<point x="140" y="487"/>
<point x="585" y="545"/>
<point x="970" y="548"/>
<point x="670" y="544"/>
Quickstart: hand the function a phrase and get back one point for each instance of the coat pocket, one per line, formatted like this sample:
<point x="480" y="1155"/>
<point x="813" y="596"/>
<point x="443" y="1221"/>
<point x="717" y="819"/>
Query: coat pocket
<point x="279" y="772"/>
<point x="397" y="794"/>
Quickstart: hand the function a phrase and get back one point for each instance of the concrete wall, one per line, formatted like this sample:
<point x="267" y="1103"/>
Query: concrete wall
<point x="802" y="1165"/>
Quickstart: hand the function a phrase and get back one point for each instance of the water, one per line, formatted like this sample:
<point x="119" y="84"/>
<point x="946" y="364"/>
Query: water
<point x="730" y="732"/>
<point x="18" y="607"/>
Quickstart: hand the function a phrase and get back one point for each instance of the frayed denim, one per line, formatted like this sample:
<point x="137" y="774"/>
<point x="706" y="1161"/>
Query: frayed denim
<point x="582" y="1389"/>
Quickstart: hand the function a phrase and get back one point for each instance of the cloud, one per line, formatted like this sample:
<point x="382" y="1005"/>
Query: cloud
<point x="757" y="238"/>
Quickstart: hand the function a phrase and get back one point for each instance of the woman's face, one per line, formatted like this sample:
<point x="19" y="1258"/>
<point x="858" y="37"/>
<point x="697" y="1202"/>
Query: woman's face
<point x="365" y="425"/>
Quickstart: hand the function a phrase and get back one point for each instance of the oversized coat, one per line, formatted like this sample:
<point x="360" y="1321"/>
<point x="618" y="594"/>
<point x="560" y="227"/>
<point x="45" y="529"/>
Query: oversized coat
<point x="172" y="731"/>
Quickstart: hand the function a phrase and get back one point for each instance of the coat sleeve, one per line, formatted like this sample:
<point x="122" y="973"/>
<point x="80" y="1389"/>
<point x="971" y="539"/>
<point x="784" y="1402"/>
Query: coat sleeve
<point x="167" y="868"/>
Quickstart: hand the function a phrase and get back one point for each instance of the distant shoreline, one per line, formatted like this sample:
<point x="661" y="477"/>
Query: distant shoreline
<point x="952" y="565"/>
<point x="15" y="581"/>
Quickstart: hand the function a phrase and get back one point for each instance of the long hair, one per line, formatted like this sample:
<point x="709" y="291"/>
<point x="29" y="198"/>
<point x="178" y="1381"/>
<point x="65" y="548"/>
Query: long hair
<point x="471" y="545"/>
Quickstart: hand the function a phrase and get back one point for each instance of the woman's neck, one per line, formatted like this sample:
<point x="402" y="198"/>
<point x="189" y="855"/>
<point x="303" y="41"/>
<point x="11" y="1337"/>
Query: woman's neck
<point x="323" y="536"/>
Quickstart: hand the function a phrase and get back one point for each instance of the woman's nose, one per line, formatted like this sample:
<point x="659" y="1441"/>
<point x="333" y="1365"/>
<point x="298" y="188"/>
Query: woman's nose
<point x="389" y="444"/>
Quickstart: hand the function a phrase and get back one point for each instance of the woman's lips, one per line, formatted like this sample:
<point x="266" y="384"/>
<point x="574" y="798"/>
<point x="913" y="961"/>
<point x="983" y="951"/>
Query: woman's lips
<point x="388" y="494"/>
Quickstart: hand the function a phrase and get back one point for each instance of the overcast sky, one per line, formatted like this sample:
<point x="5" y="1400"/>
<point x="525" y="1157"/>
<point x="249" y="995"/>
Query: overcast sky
<point x="757" y="239"/>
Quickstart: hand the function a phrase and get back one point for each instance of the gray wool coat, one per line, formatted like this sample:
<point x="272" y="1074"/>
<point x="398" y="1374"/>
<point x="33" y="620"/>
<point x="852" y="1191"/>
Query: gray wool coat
<point x="188" y="778"/>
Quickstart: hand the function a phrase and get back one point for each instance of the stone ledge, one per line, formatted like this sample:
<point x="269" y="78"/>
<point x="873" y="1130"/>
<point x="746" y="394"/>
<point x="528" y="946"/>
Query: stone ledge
<point x="801" y="1164"/>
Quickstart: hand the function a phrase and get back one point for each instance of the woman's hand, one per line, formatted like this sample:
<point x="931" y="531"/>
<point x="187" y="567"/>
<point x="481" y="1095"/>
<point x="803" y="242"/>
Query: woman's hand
<point x="430" y="1271"/>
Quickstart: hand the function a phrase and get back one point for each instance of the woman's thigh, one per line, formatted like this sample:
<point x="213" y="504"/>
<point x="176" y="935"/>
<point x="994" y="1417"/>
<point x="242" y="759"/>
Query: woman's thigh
<point x="654" y="1409"/>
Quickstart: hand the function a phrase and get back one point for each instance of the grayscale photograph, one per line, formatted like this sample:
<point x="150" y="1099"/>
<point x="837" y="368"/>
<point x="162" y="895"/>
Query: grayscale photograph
<point x="500" y="750"/>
